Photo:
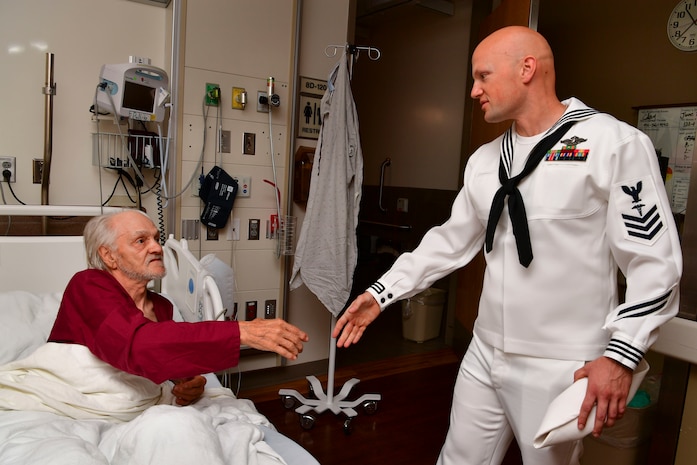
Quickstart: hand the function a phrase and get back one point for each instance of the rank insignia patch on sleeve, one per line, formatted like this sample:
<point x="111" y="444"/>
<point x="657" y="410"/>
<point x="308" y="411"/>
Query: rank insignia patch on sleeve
<point x="641" y="212"/>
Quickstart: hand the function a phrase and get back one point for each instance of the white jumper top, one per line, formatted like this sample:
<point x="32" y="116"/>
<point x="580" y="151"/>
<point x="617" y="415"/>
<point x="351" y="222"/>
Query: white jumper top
<point x="597" y="205"/>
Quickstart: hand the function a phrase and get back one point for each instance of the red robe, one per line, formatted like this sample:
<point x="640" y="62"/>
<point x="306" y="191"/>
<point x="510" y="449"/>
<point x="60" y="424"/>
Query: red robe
<point x="97" y="312"/>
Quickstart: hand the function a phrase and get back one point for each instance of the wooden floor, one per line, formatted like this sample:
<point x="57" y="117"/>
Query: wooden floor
<point x="408" y="428"/>
<point x="410" y="425"/>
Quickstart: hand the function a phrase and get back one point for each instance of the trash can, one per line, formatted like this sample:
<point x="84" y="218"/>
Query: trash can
<point x="628" y="441"/>
<point x="422" y="315"/>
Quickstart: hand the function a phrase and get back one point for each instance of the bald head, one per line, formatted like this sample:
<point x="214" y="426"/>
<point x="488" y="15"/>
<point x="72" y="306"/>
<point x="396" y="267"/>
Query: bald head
<point x="513" y="71"/>
<point x="516" y="42"/>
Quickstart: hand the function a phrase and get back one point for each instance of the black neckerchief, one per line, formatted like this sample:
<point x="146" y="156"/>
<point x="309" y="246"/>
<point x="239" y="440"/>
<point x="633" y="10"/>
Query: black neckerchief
<point x="509" y="186"/>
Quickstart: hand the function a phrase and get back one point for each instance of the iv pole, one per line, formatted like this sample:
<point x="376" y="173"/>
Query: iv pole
<point x="335" y="403"/>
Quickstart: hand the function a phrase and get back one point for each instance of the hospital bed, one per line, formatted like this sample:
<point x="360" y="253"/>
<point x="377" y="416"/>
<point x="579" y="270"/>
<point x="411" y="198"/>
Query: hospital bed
<point x="34" y="270"/>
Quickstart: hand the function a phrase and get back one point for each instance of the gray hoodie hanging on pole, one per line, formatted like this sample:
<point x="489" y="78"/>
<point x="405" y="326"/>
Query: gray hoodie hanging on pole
<point x="327" y="251"/>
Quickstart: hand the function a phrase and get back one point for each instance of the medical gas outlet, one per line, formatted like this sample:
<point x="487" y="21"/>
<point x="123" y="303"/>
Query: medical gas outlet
<point x="239" y="98"/>
<point x="212" y="94"/>
<point x="244" y="184"/>
<point x="262" y="102"/>
<point x="268" y="99"/>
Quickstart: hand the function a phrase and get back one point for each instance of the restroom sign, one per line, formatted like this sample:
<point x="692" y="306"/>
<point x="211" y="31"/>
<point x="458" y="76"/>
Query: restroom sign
<point x="309" y="107"/>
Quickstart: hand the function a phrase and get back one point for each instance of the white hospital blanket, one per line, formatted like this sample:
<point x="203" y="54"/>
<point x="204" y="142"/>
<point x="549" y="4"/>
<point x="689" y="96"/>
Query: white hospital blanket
<point x="62" y="405"/>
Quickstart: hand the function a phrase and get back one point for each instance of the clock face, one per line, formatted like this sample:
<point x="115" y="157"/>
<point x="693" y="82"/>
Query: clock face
<point x="682" y="30"/>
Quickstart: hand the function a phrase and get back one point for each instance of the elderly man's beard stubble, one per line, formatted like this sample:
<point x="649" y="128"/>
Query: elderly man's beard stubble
<point x="146" y="274"/>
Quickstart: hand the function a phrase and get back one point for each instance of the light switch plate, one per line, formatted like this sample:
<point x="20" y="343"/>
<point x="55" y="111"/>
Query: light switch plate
<point x="225" y="141"/>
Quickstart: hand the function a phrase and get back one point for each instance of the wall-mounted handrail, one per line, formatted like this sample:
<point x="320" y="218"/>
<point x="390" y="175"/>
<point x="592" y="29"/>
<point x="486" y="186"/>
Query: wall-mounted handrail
<point x="406" y="227"/>
<point x="385" y="164"/>
<point x="49" y="90"/>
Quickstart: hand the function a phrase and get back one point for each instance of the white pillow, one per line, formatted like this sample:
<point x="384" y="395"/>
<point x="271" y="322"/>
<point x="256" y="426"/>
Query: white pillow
<point x="26" y="320"/>
<point x="224" y="279"/>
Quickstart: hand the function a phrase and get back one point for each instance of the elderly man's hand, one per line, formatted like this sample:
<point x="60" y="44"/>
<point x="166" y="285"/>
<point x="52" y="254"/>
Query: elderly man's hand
<point x="274" y="335"/>
<point x="188" y="390"/>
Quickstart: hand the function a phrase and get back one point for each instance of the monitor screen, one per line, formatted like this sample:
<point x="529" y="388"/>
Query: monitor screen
<point x="138" y="97"/>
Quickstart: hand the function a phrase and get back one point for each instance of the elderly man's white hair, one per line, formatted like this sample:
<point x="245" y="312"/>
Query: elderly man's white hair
<point x="101" y="231"/>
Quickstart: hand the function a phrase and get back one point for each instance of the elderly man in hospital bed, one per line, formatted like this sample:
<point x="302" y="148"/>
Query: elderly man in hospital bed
<point x="114" y="345"/>
<point x="109" y="309"/>
<point x="99" y="391"/>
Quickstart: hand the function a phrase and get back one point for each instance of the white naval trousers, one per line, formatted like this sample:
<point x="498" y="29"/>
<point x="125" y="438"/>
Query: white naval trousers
<point x="500" y="396"/>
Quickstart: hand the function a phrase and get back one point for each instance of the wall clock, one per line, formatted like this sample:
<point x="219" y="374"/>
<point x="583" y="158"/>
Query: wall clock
<point x="682" y="27"/>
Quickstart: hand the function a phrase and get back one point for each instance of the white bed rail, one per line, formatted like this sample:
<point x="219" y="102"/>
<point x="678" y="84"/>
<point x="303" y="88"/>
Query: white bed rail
<point x="190" y="285"/>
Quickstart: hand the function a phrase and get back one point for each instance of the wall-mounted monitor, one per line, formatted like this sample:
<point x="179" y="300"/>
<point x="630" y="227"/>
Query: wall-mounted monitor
<point x="132" y="90"/>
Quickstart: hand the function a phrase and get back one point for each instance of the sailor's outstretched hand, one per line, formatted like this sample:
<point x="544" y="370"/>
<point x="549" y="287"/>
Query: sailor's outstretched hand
<point x="350" y="326"/>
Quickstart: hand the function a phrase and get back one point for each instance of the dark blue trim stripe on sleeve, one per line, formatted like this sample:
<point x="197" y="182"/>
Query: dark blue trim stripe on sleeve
<point x="645" y="308"/>
<point x="625" y="350"/>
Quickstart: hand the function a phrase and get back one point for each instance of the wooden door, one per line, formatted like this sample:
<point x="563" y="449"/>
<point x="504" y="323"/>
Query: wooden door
<point x="469" y="279"/>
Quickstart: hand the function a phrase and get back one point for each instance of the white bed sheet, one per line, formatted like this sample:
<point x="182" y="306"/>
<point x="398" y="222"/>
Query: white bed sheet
<point x="207" y="427"/>
<point x="135" y="417"/>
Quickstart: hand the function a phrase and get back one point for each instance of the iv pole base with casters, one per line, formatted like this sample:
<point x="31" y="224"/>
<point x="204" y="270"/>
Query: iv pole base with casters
<point x="336" y="404"/>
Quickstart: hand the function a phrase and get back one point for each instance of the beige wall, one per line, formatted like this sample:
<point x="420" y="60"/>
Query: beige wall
<point x="104" y="31"/>
<point x="239" y="44"/>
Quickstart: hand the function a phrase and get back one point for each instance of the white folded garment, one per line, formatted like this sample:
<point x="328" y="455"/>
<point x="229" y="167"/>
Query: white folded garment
<point x="560" y="423"/>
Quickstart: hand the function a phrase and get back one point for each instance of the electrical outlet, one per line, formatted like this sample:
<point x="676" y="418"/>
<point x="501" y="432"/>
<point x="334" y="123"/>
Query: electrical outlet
<point x="212" y="94"/>
<point x="250" y="310"/>
<point x="37" y="170"/>
<point x="402" y="205"/>
<point x="254" y="229"/>
<point x="211" y="234"/>
<point x="225" y="141"/>
<point x="249" y="147"/>
<point x="270" y="309"/>
<point x="9" y="164"/>
<point x="139" y="60"/>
